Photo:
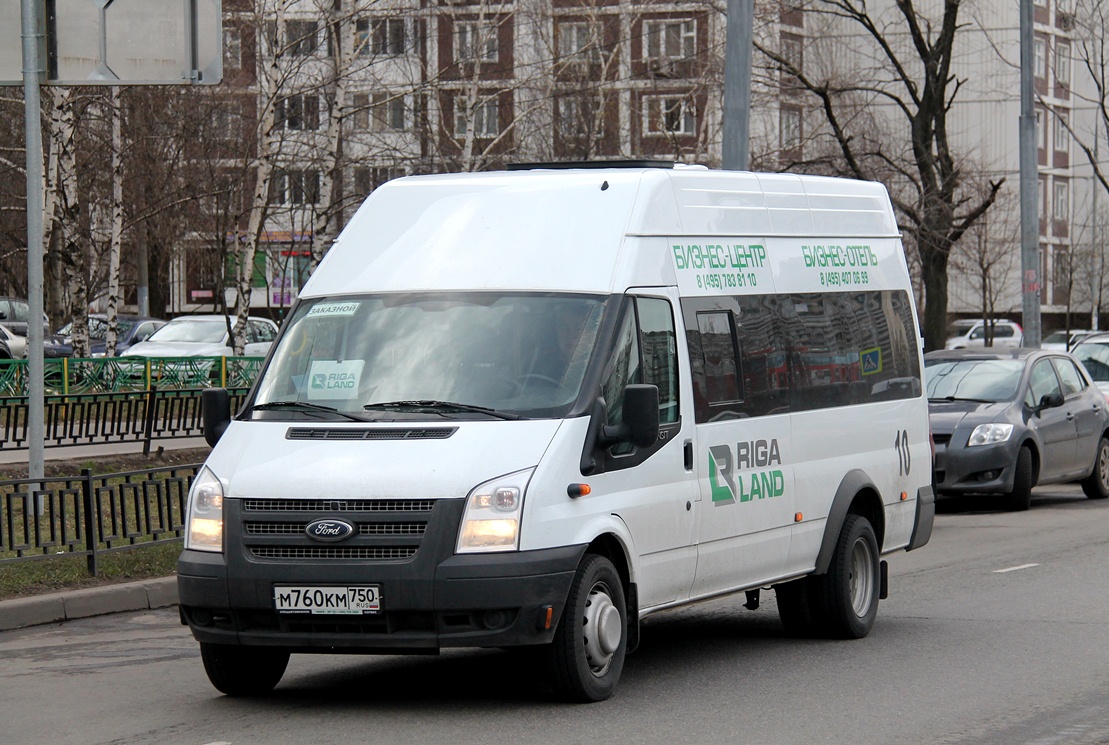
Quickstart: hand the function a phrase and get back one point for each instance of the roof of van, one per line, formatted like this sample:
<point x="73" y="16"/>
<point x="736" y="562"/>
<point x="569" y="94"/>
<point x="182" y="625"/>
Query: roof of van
<point x="566" y="229"/>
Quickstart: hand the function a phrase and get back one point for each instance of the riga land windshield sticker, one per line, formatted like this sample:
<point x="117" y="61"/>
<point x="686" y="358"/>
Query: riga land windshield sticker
<point x="331" y="379"/>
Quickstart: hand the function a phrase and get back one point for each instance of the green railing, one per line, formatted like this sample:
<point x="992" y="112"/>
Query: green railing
<point x="66" y="376"/>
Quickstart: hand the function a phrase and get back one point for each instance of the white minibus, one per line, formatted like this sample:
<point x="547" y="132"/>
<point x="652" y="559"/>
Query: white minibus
<point x="529" y="408"/>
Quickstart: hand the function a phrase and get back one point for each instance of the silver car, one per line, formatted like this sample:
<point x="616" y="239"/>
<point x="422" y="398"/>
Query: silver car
<point x="1007" y="420"/>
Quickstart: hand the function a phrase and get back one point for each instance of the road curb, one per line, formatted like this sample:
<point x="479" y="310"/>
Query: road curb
<point x="93" y="601"/>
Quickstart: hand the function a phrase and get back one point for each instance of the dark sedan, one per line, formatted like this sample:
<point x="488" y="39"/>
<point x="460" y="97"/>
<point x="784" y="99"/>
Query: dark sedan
<point x="1005" y="420"/>
<point x="129" y="330"/>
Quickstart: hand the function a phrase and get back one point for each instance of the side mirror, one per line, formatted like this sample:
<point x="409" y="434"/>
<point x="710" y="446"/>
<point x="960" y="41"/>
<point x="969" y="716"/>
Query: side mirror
<point x="640" y="417"/>
<point x="215" y="408"/>
<point x="1050" y="401"/>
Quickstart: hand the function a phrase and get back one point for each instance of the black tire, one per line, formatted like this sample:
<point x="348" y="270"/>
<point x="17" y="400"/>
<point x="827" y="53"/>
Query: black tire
<point x="243" y="671"/>
<point x="586" y="655"/>
<point x="794" y="608"/>
<point x="845" y="600"/>
<point x="1096" y="485"/>
<point x="1020" y="498"/>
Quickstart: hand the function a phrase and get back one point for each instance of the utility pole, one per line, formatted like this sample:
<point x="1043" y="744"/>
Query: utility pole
<point x="736" y="151"/>
<point x="1029" y="206"/>
<point x="33" y="73"/>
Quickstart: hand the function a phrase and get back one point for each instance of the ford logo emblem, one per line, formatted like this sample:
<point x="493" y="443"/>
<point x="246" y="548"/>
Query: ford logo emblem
<point x="329" y="530"/>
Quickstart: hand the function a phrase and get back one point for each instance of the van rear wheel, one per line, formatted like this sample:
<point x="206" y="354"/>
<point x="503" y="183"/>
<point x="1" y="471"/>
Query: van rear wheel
<point x="845" y="599"/>
<point x="243" y="671"/>
<point x="586" y="656"/>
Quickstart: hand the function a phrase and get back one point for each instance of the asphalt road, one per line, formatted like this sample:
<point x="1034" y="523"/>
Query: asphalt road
<point x="996" y="632"/>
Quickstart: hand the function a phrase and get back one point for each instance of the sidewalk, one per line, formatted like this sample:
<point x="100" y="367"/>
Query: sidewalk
<point x="93" y="601"/>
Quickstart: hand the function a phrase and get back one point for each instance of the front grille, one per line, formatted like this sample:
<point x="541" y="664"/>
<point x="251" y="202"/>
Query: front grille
<point x="385" y="529"/>
<point x="321" y="506"/>
<point x="333" y="552"/>
<point x="408" y="528"/>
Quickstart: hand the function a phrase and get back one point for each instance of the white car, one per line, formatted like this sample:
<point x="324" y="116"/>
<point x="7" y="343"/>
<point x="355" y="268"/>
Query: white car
<point x="204" y="336"/>
<point x="971" y="333"/>
<point x="12" y="345"/>
<point x="1065" y="341"/>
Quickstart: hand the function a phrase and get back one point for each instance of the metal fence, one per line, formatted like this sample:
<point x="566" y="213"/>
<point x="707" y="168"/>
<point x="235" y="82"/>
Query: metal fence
<point x="66" y="376"/>
<point x="90" y="515"/>
<point x="97" y="418"/>
<point x="119" y="399"/>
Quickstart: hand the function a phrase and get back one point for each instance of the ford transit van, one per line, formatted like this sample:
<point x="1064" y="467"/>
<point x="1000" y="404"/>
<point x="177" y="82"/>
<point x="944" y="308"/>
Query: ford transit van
<point x="530" y="408"/>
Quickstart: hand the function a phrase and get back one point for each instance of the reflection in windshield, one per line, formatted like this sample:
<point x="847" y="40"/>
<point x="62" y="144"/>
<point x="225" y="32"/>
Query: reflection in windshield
<point x="515" y="354"/>
<point x="975" y="380"/>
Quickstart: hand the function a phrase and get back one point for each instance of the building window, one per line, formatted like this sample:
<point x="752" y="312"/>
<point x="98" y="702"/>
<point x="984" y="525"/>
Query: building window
<point x="360" y="112"/>
<point x="579" y="42"/>
<point x="1062" y="63"/>
<point x="793" y="52"/>
<point x="227" y="122"/>
<point x="670" y="39"/>
<point x="1041" y="195"/>
<point x="299" y="112"/>
<point x="668" y="115"/>
<point x="474" y="41"/>
<point x="1060" y="209"/>
<point x="790" y="129"/>
<point x="482" y="116"/>
<point x="1041" y="141"/>
<point x="301" y="38"/>
<point x="232" y="49"/>
<point x="578" y="117"/>
<point x="387" y="112"/>
<point x="388" y="36"/>
<point x="1062" y="136"/>
<point x="295" y="187"/>
<point x="368" y="179"/>
<point x="1040" y="60"/>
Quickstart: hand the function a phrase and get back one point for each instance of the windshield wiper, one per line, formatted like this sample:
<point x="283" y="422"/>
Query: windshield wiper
<point x="961" y="398"/>
<point x="305" y="406"/>
<point x="441" y="407"/>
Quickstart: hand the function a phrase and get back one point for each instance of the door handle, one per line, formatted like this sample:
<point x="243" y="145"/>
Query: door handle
<point x="689" y="455"/>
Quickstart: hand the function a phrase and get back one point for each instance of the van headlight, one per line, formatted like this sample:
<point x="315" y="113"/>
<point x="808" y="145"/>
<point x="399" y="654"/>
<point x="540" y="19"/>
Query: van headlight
<point x="989" y="434"/>
<point x="204" y="524"/>
<point x="491" y="519"/>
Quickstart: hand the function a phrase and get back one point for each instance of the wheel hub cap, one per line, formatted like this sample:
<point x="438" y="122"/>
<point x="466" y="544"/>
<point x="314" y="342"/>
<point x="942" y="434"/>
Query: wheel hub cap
<point x="603" y="629"/>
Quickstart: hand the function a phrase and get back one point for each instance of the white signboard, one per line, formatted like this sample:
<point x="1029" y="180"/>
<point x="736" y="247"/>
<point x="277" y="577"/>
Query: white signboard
<point x="119" y="42"/>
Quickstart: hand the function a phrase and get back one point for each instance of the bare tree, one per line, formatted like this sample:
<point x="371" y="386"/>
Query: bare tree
<point x="895" y="64"/>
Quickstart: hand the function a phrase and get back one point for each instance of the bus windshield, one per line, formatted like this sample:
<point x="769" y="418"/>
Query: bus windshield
<point x="431" y="354"/>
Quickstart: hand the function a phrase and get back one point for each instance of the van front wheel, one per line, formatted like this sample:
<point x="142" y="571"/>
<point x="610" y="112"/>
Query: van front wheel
<point x="587" y="654"/>
<point x="243" y="671"/>
<point x="846" y="598"/>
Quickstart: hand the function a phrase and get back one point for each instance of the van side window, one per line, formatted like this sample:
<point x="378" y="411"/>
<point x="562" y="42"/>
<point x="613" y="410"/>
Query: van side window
<point x="801" y="351"/>
<point x="719" y="358"/>
<point x="623" y="368"/>
<point x="645" y="352"/>
<point x="660" y="359"/>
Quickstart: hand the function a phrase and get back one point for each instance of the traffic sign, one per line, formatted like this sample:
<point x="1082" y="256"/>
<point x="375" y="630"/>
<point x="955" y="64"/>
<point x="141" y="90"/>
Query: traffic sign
<point x="119" y="42"/>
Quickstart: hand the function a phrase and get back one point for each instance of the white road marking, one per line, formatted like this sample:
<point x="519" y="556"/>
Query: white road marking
<point x="1014" y="569"/>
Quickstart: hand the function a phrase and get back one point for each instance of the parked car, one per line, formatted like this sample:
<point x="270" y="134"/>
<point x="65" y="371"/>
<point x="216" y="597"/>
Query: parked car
<point x="1006" y="420"/>
<point x="965" y="334"/>
<point x="1093" y="353"/>
<point x="1063" y="340"/>
<point x="204" y="336"/>
<point x="14" y="313"/>
<point x="12" y="346"/>
<point x="129" y="330"/>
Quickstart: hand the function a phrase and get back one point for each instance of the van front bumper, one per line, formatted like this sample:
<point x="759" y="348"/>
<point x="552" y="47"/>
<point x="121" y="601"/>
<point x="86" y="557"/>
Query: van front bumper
<point x="467" y="600"/>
